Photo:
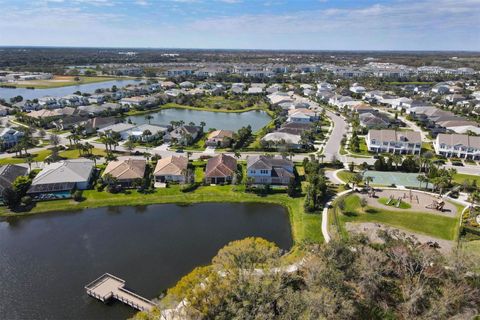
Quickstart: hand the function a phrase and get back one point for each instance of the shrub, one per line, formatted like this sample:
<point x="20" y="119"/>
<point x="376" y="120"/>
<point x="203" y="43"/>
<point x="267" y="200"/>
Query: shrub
<point x="78" y="195"/>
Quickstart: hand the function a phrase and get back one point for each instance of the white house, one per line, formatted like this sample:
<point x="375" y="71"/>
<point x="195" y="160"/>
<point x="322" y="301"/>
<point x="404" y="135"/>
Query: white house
<point x="457" y="145"/>
<point x="10" y="137"/>
<point x="269" y="170"/>
<point x="356" y="88"/>
<point x="393" y="141"/>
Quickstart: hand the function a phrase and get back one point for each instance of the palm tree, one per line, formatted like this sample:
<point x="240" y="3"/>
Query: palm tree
<point x="421" y="178"/>
<point x="148" y="117"/>
<point x="202" y="124"/>
<point x="397" y="159"/>
<point x="129" y="145"/>
<point x="321" y="156"/>
<point x="367" y="180"/>
<point x="237" y="155"/>
<point x="355" y="180"/>
<point x="451" y="174"/>
<point x="29" y="160"/>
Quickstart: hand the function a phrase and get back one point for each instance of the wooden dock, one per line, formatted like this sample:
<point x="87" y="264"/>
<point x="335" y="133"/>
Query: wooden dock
<point x="108" y="286"/>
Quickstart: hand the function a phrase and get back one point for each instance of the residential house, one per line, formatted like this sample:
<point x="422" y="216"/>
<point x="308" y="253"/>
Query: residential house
<point x="283" y="140"/>
<point x="171" y="169"/>
<point x="126" y="171"/>
<point x="9" y="137"/>
<point x="302" y="115"/>
<point x="220" y="169"/>
<point x="96" y="98"/>
<point x="393" y="141"/>
<point x="140" y="132"/>
<point x="63" y="176"/>
<point x="4" y="110"/>
<point x="373" y="120"/>
<point x="121" y="128"/>
<point x="183" y="135"/>
<point x="269" y="170"/>
<point x="356" y="88"/>
<point x="94" y="124"/>
<point x="134" y="101"/>
<point x="8" y="174"/>
<point x="219" y="138"/>
<point x="457" y="145"/>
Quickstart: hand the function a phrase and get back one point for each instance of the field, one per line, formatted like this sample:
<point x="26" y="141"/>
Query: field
<point x="59" y="81"/>
<point x="460" y="178"/>
<point x="435" y="225"/>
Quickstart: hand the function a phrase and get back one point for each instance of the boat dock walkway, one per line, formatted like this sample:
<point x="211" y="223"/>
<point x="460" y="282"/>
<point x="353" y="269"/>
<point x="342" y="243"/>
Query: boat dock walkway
<point x="108" y="286"/>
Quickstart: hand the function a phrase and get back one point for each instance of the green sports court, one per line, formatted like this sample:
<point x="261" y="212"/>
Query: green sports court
<point x="388" y="178"/>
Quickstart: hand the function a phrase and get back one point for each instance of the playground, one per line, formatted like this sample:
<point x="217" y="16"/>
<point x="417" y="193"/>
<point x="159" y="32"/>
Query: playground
<point x="387" y="178"/>
<point x="408" y="200"/>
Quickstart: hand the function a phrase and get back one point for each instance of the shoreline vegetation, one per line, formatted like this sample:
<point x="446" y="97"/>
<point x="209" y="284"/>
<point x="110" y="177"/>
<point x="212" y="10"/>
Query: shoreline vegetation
<point x="305" y="227"/>
<point x="67" y="81"/>
<point x="172" y="105"/>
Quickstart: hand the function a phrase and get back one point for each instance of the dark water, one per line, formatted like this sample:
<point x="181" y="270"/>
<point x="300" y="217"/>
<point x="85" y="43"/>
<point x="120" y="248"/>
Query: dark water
<point x="218" y="120"/>
<point x="7" y="93"/>
<point x="46" y="260"/>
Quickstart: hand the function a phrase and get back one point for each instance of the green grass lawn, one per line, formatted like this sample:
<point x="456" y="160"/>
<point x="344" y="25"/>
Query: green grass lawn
<point x="43" y="154"/>
<point x="419" y="222"/>
<point x="345" y="175"/>
<point x="305" y="226"/>
<point x="460" y="178"/>
<point x="363" y="150"/>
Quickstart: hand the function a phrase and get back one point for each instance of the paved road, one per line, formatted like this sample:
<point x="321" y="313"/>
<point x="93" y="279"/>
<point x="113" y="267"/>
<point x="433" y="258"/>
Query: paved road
<point x="332" y="147"/>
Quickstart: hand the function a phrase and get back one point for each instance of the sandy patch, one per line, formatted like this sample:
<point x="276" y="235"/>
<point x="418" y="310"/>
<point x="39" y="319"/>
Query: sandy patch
<point x="371" y="230"/>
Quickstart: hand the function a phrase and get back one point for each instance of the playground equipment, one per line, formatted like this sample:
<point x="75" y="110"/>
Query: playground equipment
<point x="399" y="202"/>
<point x="390" y="199"/>
<point x="436" y="205"/>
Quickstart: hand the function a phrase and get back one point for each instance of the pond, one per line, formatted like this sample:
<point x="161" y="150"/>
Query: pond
<point x="46" y="260"/>
<point x="29" y="94"/>
<point x="219" y="120"/>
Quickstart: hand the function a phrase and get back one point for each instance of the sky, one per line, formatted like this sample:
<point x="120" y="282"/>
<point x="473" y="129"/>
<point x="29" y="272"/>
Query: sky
<point x="244" y="24"/>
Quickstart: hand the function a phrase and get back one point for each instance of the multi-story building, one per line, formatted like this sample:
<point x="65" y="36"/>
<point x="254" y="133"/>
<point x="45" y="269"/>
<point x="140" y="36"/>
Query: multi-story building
<point x="458" y="145"/>
<point x="393" y="141"/>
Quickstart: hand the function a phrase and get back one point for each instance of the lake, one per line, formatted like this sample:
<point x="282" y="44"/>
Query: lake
<point x="219" y="120"/>
<point x="47" y="259"/>
<point x="29" y="94"/>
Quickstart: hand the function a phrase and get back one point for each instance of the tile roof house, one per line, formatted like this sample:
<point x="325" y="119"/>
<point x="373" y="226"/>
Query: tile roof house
<point x="126" y="170"/>
<point x="373" y="120"/>
<point x="457" y="145"/>
<point x="219" y="138"/>
<point x="220" y="169"/>
<point x="171" y="168"/>
<point x="183" y="135"/>
<point x="269" y="170"/>
<point x="63" y="176"/>
<point x="393" y="141"/>
<point x="97" y="123"/>
<point x="283" y="139"/>
<point x="8" y="174"/>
